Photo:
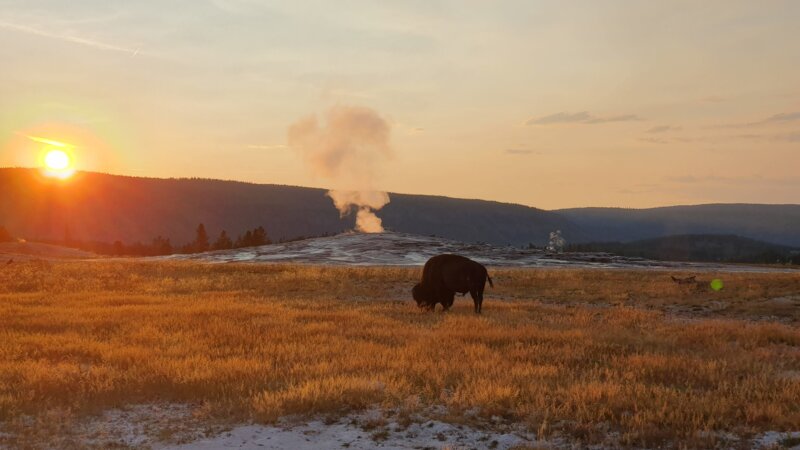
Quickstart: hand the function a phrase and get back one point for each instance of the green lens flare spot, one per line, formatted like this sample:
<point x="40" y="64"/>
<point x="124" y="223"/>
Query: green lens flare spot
<point x="716" y="284"/>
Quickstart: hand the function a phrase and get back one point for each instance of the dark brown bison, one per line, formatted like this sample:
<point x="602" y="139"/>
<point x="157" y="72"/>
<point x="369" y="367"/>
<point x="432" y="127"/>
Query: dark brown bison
<point x="444" y="275"/>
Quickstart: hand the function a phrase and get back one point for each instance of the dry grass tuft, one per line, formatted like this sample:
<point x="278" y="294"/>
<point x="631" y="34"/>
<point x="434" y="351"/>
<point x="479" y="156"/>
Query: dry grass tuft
<point x="564" y="351"/>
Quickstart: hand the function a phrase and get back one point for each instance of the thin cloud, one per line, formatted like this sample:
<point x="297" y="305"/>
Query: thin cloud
<point x="737" y="180"/>
<point x="779" y="118"/>
<point x="691" y="179"/>
<point x="654" y="140"/>
<point x="68" y="38"/>
<point x="580" y="117"/>
<point x="267" y="146"/>
<point x="790" y="137"/>
<point x="624" y="118"/>
<point x="780" y="137"/>
<point x="782" y="117"/>
<point x="520" y="151"/>
<point x="663" y="129"/>
<point x="561" y="117"/>
<point x="767" y="137"/>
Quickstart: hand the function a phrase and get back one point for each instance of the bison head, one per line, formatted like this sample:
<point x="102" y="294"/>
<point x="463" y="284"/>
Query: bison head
<point x="422" y="295"/>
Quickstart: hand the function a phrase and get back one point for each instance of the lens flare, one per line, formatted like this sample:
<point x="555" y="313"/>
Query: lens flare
<point x="49" y="142"/>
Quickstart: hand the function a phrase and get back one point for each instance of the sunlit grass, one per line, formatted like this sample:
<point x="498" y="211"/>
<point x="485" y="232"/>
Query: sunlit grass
<point x="583" y="352"/>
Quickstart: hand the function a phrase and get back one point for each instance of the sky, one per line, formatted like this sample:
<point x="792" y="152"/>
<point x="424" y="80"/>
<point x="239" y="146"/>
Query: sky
<point x="550" y="104"/>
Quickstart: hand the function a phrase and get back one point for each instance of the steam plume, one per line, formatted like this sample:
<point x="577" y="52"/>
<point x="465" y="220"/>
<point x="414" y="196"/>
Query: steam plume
<point x="365" y="202"/>
<point x="347" y="149"/>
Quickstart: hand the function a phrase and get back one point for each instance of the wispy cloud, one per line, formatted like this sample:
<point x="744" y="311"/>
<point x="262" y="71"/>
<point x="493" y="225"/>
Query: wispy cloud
<point x="738" y="180"/>
<point x="767" y="137"/>
<point x="790" y="137"/>
<point x="779" y="137"/>
<point x="69" y="38"/>
<point x="520" y="151"/>
<point x="663" y="129"/>
<point x="654" y="140"/>
<point x="782" y="117"/>
<point x="779" y="118"/>
<point x="583" y="117"/>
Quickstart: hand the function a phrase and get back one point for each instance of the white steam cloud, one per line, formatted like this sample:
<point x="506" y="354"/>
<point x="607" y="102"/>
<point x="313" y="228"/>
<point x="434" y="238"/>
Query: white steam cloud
<point x="347" y="149"/>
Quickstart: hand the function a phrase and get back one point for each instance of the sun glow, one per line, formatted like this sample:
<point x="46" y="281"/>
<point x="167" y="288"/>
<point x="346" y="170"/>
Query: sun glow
<point x="58" y="163"/>
<point x="56" y="158"/>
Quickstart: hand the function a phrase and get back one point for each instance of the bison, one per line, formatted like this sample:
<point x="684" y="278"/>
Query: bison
<point x="444" y="275"/>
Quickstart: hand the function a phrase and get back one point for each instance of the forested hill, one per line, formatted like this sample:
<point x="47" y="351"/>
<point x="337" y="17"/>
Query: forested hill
<point x="105" y="208"/>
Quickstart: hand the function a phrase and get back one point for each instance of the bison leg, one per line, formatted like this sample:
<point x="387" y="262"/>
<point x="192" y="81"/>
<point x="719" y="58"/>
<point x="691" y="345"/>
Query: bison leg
<point x="477" y="299"/>
<point x="447" y="301"/>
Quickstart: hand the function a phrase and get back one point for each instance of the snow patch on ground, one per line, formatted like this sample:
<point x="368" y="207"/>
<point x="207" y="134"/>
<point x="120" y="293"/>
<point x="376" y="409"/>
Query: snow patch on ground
<point x="167" y="426"/>
<point x="778" y="440"/>
<point x="348" y="432"/>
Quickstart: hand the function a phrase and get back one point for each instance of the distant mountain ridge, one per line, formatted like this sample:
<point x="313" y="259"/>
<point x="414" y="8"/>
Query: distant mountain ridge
<point x="777" y="224"/>
<point x="698" y="247"/>
<point x="105" y="208"/>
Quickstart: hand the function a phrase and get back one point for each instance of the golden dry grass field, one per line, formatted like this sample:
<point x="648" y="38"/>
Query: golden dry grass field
<point x="579" y="353"/>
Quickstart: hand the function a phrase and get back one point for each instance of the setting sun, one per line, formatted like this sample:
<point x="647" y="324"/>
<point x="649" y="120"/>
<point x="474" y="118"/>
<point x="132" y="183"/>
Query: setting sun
<point x="56" y="160"/>
<point x="58" y="164"/>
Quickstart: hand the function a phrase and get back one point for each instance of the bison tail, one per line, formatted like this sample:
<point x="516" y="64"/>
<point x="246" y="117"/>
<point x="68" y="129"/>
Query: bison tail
<point x="490" y="280"/>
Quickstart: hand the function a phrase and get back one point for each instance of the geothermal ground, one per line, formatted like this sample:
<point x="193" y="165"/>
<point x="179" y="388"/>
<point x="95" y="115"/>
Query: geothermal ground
<point x="401" y="249"/>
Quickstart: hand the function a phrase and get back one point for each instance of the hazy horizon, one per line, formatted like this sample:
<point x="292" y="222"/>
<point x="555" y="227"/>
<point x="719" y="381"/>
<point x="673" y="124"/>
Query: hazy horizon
<point x="591" y="104"/>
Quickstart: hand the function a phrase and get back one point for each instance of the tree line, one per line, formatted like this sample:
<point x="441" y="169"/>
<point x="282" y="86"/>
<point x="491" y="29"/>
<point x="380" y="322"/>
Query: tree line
<point x="201" y="243"/>
<point x="701" y="248"/>
<point x="160" y="245"/>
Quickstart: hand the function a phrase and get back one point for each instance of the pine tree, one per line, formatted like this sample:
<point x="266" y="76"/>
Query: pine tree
<point x="260" y="237"/>
<point x="161" y="246"/>
<point x="223" y="242"/>
<point x="201" y="241"/>
<point x="247" y="240"/>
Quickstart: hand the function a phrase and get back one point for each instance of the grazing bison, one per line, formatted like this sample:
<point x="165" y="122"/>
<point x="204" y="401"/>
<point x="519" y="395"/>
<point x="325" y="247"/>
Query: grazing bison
<point x="444" y="275"/>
